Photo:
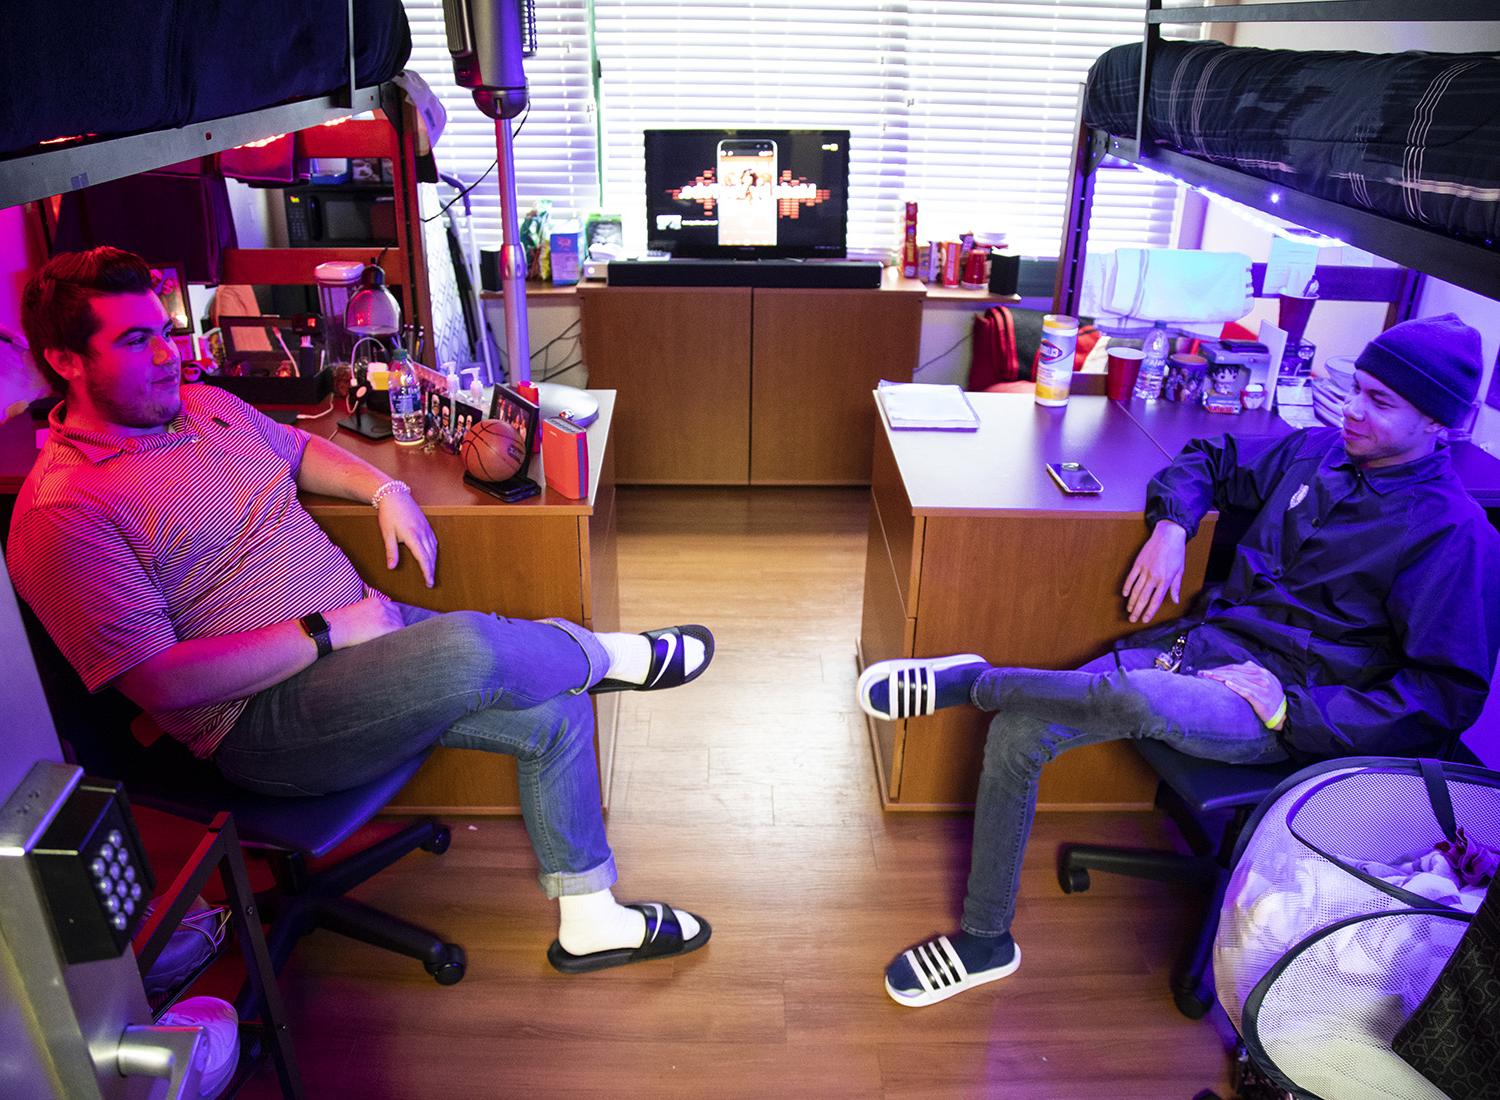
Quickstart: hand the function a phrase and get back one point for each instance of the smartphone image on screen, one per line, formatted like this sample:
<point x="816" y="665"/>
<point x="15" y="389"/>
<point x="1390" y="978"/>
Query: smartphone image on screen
<point x="747" y="191"/>
<point x="1074" y="477"/>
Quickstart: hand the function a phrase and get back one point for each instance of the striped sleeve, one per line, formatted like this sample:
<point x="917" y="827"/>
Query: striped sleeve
<point x="79" y="574"/>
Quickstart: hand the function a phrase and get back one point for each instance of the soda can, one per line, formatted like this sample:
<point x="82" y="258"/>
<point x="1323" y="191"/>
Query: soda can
<point x="1054" y="359"/>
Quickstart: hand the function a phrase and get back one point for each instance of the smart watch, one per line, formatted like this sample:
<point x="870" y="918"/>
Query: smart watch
<point x="316" y="628"/>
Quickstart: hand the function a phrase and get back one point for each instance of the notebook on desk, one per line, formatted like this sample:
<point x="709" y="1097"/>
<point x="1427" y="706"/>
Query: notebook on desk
<point x="921" y="406"/>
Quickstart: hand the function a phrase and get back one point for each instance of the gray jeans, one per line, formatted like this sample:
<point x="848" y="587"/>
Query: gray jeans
<point x="464" y="680"/>
<point x="1042" y="713"/>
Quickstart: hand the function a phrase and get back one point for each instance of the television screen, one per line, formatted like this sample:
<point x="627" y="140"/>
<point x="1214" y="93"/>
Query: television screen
<point x="747" y="193"/>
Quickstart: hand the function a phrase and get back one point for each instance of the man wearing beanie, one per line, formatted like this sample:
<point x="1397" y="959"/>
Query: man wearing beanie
<point x="1360" y="616"/>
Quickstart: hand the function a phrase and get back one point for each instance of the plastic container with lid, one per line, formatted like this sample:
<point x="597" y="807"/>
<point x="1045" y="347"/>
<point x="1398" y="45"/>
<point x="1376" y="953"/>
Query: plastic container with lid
<point x="337" y="281"/>
<point x="1054" y="361"/>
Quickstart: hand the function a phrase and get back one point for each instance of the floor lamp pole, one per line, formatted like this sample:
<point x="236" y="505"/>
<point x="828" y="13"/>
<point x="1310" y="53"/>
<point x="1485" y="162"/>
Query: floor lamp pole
<point x="512" y="260"/>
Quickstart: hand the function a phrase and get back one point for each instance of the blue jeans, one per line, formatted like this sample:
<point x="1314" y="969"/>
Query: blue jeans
<point x="465" y="680"/>
<point x="1042" y="713"/>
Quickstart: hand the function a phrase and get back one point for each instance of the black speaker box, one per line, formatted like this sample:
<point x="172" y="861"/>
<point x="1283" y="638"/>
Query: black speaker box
<point x="814" y="274"/>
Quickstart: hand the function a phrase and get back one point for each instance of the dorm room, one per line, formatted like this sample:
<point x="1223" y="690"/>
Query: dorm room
<point x="742" y="463"/>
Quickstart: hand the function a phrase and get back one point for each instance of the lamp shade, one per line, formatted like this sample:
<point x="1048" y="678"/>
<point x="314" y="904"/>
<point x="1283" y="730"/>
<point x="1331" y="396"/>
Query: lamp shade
<point x="373" y="309"/>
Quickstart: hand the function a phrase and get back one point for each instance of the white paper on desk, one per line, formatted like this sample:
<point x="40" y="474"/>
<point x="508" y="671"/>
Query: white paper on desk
<point x="1275" y="340"/>
<point x="914" y="405"/>
<point x="1290" y="267"/>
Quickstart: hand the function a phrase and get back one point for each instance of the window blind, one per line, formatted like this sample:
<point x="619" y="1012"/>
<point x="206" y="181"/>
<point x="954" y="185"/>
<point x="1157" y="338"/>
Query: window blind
<point x="966" y="107"/>
<point x="556" y="147"/>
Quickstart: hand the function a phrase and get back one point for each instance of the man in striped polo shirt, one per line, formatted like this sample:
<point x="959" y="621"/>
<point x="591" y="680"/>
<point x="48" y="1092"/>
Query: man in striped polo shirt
<point x="160" y="540"/>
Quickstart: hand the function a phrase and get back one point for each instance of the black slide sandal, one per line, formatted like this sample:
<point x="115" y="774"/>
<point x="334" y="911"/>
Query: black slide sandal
<point x="667" y="670"/>
<point x="663" y="940"/>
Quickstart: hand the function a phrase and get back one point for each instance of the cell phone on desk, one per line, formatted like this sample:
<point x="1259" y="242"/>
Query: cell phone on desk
<point x="517" y="488"/>
<point x="1074" y="478"/>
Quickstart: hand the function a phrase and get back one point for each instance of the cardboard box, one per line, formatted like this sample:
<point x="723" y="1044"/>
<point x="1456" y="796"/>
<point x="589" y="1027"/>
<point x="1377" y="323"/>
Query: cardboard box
<point x="565" y="457"/>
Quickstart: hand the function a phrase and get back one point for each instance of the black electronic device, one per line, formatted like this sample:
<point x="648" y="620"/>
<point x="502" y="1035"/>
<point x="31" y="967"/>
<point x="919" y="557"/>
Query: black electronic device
<point x="340" y="216"/>
<point x="796" y="274"/>
<point x="511" y="490"/>
<point x="1074" y="478"/>
<point x="93" y="872"/>
<point x="488" y="39"/>
<point x="747" y="194"/>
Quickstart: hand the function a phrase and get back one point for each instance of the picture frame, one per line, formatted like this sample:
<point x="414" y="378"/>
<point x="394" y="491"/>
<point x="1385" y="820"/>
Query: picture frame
<point x="524" y="415"/>
<point x="169" y="281"/>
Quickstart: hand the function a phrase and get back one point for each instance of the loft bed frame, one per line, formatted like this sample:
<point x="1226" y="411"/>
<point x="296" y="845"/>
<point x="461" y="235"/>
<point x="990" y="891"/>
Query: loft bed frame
<point x="38" y="176"/>
<point x="44" y="175"/>
<point x="1420" y="251"/>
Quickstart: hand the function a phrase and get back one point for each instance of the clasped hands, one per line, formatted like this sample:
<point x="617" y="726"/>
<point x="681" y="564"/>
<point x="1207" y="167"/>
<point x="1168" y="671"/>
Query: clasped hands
<point x="1157" y="572"/>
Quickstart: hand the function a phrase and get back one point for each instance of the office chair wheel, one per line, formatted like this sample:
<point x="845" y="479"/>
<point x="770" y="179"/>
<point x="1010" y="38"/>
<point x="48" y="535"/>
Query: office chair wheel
<point x="450" y="970"/>
<point x="1190" y="1004"/>
<point x="1073" y="880"/>
<point x="439" y="842"/>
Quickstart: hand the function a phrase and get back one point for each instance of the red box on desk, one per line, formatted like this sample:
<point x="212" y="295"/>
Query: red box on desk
<point x="565" y="457"/>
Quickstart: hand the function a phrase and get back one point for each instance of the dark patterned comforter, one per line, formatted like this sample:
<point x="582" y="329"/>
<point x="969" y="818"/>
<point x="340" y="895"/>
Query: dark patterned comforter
<point x="1412" y="136"/>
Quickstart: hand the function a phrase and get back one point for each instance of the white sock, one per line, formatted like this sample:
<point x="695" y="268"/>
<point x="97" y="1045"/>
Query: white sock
<point x="630" y="656"/>
<point x="596" y="922"/>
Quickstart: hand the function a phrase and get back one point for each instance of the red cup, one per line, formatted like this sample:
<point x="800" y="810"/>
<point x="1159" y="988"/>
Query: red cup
<point x="1292" y="316"/>
<point x="1123" y="365"/>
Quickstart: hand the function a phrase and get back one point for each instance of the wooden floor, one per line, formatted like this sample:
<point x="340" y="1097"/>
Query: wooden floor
<point x="750" y="797"/>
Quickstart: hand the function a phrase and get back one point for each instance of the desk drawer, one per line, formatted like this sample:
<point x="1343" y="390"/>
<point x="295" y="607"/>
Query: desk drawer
<point x="903" y="531"/>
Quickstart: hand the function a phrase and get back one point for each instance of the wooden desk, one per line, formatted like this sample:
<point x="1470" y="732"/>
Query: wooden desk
<point x="736" y="386"/>
<point x="548" y="556"/>
<point x="972" y="548"/>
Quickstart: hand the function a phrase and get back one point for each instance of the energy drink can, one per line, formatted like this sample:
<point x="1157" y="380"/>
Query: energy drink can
<point x="1054" y="360"/>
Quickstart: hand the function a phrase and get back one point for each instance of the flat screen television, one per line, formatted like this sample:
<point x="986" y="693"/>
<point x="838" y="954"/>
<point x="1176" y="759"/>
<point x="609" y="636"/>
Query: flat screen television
<point x="747" y="194"/>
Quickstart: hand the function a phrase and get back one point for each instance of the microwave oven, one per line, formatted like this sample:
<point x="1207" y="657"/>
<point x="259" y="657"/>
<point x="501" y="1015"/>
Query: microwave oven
<point x="339" y="216"/>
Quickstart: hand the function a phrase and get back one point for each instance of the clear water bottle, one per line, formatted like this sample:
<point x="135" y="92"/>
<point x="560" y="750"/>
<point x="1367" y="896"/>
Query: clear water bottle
<point x="406" y="400"/>
<point x="1153" y="363"/>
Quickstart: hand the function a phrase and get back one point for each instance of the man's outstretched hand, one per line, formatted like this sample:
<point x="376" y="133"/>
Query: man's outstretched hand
<point x="1253" y="684"/>
<point x="1157" y="571"/>
<point x="402" y="523"/>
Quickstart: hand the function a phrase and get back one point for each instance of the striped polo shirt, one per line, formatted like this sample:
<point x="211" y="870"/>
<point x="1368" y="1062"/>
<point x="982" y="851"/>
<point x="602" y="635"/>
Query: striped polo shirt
<point x="125" y="545"/>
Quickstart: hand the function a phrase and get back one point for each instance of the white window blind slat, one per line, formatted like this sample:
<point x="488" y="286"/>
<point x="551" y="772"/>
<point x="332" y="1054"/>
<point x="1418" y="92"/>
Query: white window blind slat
<point x="966" y="106"/>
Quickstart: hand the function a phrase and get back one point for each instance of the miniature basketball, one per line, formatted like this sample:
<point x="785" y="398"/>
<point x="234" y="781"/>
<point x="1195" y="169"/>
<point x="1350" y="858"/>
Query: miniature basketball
<point x="492" y="450"/>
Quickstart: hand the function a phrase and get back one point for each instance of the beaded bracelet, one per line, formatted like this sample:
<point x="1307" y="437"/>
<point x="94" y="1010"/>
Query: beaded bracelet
<point x="392" y="486"/>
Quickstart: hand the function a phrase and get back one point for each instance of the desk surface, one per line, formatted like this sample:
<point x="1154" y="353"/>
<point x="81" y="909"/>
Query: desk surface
<point x="1002" y="465"/>
<point x="436" y="478"/>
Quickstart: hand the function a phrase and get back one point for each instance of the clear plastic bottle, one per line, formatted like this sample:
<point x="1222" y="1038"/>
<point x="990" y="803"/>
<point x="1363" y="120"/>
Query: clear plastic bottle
<point x="1156" y="347"/>
<point x="406" y="400"/>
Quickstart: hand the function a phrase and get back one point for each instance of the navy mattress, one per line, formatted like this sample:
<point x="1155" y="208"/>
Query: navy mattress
<point x="112" y="67"/>
<point x="1410" y="136"/>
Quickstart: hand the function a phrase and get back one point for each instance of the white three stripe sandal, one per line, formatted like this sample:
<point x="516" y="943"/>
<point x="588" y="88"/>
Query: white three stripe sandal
<point x="941" y="973"/>
<point x="910" y="685"/>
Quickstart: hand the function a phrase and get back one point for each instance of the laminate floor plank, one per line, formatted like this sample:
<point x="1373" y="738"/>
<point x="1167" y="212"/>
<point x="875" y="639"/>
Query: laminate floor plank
<point x="750" y="797"/>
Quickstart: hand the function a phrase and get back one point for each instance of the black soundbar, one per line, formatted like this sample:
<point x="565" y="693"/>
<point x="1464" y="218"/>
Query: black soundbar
<point x="817" y="274"/>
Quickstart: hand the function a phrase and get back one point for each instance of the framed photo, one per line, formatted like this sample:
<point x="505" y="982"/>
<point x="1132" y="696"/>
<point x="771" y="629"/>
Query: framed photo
<point x="523" y="415"/>
<point x="171" y="287"/>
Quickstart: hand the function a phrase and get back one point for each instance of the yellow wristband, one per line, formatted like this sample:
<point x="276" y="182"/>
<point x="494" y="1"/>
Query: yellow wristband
<point x="1277" y="720"/>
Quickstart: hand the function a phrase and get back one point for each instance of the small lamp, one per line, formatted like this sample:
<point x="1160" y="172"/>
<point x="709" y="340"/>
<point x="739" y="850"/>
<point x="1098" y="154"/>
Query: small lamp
<point x="373" y="309"/>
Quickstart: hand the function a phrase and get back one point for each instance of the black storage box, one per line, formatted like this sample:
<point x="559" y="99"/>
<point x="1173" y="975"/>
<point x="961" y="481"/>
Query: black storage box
<point x="262" y="389"/>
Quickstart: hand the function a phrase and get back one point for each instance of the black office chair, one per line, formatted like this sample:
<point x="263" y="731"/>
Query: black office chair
<point x="291" y="831"/>
<point x="1209" y="802"/>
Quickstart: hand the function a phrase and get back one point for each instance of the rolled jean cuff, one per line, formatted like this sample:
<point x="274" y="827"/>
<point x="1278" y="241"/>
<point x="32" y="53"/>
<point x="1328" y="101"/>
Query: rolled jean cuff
<point x="556" y="884"/>
<point x="593" y="651"/>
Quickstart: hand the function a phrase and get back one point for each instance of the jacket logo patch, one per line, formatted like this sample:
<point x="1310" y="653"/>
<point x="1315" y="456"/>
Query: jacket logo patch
<point x="1297" y="498"/>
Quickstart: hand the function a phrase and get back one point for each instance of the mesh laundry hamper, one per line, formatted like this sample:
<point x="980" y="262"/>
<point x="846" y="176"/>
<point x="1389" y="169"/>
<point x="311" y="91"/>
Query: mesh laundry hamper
<point x="1339" y="916"/>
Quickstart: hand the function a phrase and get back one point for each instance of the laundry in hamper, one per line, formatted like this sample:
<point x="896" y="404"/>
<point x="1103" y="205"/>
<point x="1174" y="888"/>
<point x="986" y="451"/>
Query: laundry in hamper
<point x="1351" y="888"/>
